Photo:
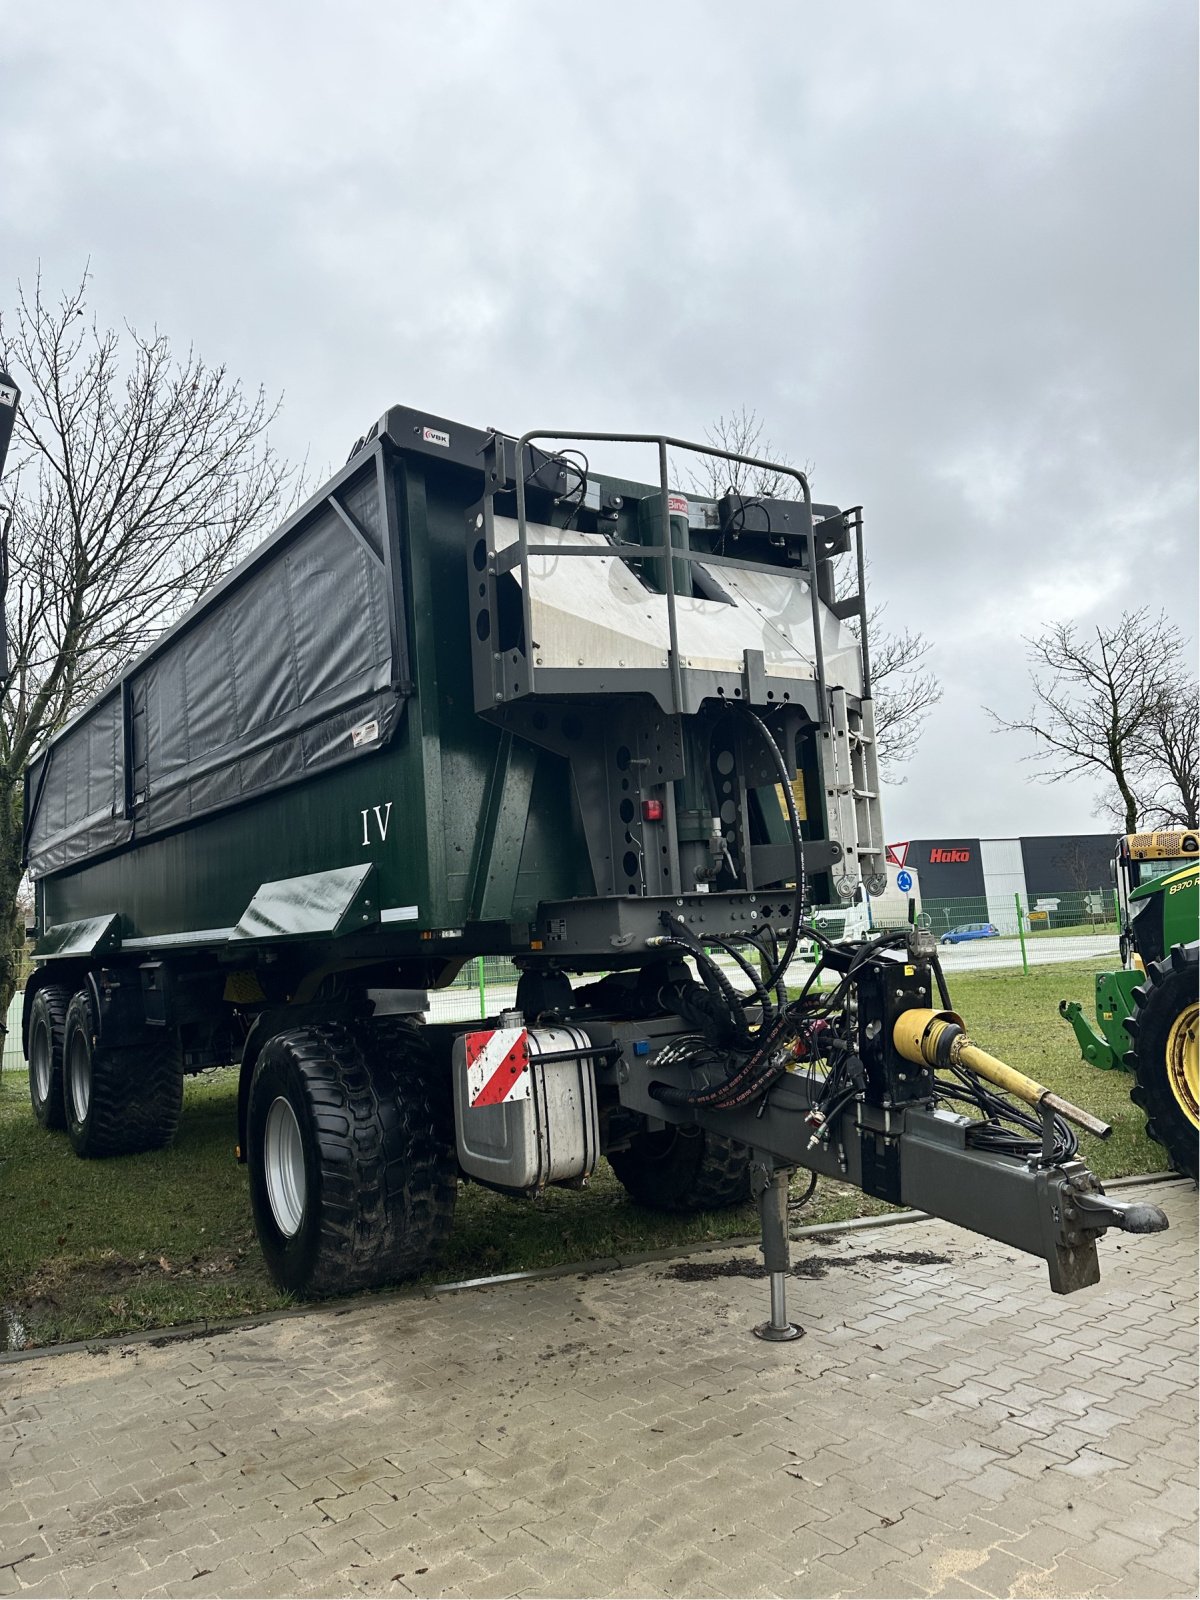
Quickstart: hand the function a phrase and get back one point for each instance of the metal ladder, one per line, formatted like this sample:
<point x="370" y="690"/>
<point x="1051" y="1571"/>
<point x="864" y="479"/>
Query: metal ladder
<point x="852" y="788"/>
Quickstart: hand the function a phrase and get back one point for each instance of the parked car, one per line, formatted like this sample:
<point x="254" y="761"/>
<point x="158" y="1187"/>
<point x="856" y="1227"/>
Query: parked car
<point x="971" y="930"/>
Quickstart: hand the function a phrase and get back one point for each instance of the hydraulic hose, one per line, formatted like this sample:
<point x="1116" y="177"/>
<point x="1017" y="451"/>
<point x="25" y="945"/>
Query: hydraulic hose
<point x="713" y="978"/>
<point x="761" y="993"/>
<point x="786" y="779"/>
<point x="719" y="1096"/>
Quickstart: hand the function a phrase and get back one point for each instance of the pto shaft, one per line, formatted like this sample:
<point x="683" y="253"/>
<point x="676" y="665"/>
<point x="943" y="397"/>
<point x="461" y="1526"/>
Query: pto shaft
<point x="939" y="1039"/>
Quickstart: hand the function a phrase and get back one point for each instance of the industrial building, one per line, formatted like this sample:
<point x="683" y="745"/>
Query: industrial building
<point x="989" y="874"/>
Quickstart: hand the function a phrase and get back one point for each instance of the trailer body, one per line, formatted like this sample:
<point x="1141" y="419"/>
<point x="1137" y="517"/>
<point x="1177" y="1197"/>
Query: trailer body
<point x="474" y="698"/>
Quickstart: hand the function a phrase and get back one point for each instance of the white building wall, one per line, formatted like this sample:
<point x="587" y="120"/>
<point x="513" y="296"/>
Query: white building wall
<point x="1003" y="878"/>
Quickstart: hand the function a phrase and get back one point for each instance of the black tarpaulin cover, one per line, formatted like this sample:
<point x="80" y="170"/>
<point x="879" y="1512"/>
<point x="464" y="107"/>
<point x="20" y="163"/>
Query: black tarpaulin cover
<point x="287" y="671"/>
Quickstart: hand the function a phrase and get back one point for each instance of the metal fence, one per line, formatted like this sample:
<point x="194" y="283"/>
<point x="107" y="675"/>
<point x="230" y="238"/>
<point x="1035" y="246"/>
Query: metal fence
<point x="1076" y="925"/>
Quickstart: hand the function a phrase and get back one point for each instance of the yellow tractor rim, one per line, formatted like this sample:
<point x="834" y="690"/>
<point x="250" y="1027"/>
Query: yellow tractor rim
<point x="1181" y="1061"/>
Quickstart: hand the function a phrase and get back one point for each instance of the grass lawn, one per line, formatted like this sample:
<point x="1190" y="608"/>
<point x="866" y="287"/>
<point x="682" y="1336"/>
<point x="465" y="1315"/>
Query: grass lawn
<point x="101" y="1247"/>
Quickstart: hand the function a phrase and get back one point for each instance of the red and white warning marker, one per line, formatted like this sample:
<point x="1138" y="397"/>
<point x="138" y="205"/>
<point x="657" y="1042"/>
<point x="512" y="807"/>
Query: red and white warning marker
<point x="498" y="1066"/>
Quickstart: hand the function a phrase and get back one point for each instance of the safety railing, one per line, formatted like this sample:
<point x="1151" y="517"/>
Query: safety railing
<point x="523" y="549"/>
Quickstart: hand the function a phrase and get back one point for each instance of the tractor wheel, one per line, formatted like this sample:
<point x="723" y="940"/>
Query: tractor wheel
<point x="47" y="1014"/>
<point x="1164" y="1031"/>
<point x="352" y="1169"/>
<point x="117" y="1102"/>
<point x="684" y="1169"/>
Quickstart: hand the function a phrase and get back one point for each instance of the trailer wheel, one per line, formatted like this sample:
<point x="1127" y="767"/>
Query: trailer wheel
<point x="352" y="1176"/>
<point x="684" y="1169"/>
<point x="122" y="1101"/>
<point x="47" y="1014"/>
<point x="1164" y="1030"/>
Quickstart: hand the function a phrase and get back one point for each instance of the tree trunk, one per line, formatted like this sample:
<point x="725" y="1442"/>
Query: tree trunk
<point x="12" y="920"/>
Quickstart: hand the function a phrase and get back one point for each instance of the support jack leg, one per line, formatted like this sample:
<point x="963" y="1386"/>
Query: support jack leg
<point x="772" y="1189"/>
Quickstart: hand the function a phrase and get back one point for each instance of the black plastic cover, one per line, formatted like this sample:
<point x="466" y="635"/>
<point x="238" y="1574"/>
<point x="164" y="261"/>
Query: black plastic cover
<point x="287" y="668"/>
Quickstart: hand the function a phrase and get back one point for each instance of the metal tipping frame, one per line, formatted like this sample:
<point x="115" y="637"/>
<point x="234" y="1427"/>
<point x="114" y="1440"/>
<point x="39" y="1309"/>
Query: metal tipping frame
<point x="670" y="554"/>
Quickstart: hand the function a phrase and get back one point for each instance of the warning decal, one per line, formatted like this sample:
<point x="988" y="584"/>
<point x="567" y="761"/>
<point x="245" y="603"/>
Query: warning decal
<point x="498" y="1066"/>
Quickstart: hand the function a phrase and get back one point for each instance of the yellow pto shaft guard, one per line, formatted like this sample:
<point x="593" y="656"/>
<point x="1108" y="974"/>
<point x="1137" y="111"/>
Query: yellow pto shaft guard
<point x="939" y="1039"/>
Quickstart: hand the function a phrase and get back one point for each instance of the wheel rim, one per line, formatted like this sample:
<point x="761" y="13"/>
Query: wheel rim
<point x="39" y="1061"/>
<point x="1181" y="1061"/>
<point x="283" y="1159"/>
<point x="79" y="1076"/>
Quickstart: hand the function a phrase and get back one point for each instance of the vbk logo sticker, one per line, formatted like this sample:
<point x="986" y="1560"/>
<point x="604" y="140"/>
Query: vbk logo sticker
<point x="436" y="436"/>
<point x="498" y="1066"/>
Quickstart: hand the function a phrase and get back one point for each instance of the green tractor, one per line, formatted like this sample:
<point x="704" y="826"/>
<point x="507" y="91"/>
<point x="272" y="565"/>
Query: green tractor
<point x="1147" y="1010"/>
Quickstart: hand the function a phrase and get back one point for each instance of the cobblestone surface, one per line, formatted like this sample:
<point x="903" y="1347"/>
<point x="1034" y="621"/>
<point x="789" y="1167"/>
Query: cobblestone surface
<point x="948" y="1429"/>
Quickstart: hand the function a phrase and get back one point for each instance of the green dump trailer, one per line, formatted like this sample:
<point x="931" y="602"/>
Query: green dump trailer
<point x="476" y="697"/>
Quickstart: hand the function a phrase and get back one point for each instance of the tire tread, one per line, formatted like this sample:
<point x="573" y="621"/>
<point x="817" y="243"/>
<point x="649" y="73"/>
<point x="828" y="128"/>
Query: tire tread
<point x="387" y="1170"/>
<point x="54" y="999"/>
<point x="698" y="1171"/>
<point x="136" y="1093"/>
<point x="1171" y="985"/>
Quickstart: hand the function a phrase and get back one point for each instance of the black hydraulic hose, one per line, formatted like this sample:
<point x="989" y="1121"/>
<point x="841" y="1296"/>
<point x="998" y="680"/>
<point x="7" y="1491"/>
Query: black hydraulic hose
<point x="794" y="1205"/>
<point x="786" y="780"/>
<point x="725" y="942"/>
<point x="940" y="979"/>
<point x="716" y="1095"/>
<point x="771" y="957"/>
<point x="757" y="1085"/>
<point x="715" y="981"/>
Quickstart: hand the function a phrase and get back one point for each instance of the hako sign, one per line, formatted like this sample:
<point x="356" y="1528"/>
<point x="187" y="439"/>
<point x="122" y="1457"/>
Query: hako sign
<point x="948" y="855"/>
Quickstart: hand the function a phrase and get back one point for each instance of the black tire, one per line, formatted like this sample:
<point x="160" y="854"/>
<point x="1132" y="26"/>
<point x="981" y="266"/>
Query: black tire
<point x="352" y="1166"/>
<point x="47" y="1016"/>
<point x="1163" y="1030"/>
<point x="117" y="1102"/>
<point x="684" y="1169"/>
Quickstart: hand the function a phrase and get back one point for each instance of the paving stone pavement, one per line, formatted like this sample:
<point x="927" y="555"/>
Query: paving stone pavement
<point x="946" y="1427"/>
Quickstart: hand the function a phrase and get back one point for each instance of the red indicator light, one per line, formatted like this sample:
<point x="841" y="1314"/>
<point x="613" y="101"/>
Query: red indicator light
<point x="652" y="810"/>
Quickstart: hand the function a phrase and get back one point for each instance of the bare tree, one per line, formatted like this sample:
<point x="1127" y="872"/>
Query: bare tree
<point x="1169" y="752"/>
<point x="906" y="690"/>
<point x="742" y="433"/>
<point x="1097" y="698"/>
<point x="137" y="478"/>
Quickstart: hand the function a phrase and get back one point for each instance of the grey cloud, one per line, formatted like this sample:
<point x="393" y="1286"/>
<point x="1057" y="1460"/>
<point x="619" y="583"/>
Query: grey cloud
<point x="948" y="253"/>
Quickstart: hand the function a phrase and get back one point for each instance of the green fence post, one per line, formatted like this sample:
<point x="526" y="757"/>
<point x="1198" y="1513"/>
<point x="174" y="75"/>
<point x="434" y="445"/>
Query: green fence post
<point x="1021" y="935"/>
<point x="482" y="976"/>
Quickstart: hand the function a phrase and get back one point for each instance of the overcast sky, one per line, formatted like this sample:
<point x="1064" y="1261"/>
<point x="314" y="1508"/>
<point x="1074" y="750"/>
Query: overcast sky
<point x="946" y="251"/>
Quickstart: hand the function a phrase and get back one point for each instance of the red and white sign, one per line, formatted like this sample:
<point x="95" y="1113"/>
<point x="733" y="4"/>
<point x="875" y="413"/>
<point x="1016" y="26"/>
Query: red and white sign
<point x="498" y="1066"/>
<point x="677" y="505"/>
<point x="897" y="854"/>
